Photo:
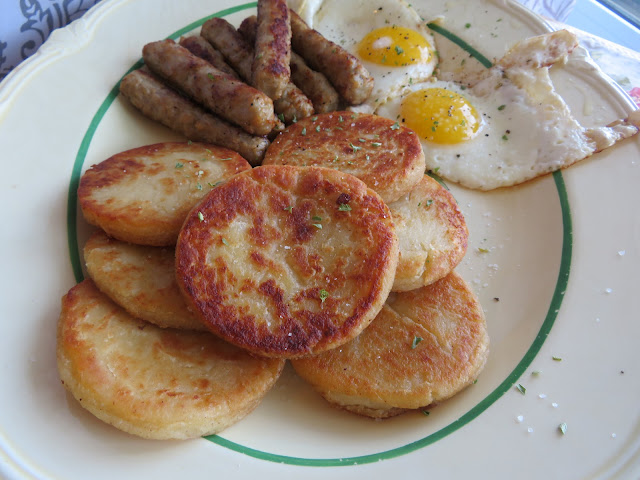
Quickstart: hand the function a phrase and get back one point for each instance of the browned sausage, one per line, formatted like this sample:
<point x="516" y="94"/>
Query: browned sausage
<point x="203" y="49"/>
<point x="293" y="104"/>
<point x="347" y="74"/>
<point x="272" y="48"/>
<point x="164" y="105"/>
<point x="233" y="100"/>
<point x="313" y="84"/>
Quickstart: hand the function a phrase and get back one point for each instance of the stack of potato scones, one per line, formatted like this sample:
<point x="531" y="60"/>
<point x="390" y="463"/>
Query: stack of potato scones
<point x="267" y="237"/>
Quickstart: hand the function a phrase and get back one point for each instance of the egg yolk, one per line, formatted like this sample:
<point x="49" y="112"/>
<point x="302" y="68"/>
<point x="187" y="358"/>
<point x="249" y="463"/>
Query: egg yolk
<point x="394" y="46"/>
<point x="439" y="115"/>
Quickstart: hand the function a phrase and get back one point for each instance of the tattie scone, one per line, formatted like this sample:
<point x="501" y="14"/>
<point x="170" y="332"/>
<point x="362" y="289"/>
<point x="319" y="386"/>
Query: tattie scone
<point x="143" y="195"/>
<point x="287" y="261"/>
<point x="139" y="278"/>
<point x="432" y="235"/>
<point x="380" y="152"/>
<point x="423" y="347"/>
<point x="153" y="382"/>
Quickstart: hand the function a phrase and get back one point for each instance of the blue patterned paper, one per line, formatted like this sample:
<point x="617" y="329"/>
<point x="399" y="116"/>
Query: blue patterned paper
<point x="26" y="24"/>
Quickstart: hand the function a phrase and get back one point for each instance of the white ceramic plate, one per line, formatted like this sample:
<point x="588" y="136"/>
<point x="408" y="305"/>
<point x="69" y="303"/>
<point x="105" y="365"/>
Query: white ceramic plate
<point x="559" y="278"/>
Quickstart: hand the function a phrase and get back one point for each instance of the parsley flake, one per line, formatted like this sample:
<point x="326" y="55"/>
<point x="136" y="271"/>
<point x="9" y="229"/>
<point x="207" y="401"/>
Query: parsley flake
<point x="224" y="240"/>
<point x="562" y="428"/>
<point x="557" y="359"/>
<point x="502" y="107"/>
<point x="179" y="165"/>
<point x="317" y="225"/>
<point x="344" y="207"/>
<point x="201" y="216"/>
<point x="210" y="76"/>
<point x="395" y="126"/>
<point x="323" y="295"/>
<point x="304" y="131"/>
<point x="416" y="341"/>
<point x="521" y="389"/>
<point x="399" y="50"/>
<point x="289" y="209"/>
<point x="316" y="218"/>
<point x="426" y="413"/>
<point x="376" y="144"/>
<point x="355" y="149"/>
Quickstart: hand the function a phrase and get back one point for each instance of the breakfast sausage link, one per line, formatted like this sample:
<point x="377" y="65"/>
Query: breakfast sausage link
<point x="314" y="85"/>
<point x="270" y="71"/>
<point x="293" y="104"/>
<point x="203" y="49"/>
<point x="347" y="74"/>
<point x="233" y="100"/>
<point x="164" y="105"/>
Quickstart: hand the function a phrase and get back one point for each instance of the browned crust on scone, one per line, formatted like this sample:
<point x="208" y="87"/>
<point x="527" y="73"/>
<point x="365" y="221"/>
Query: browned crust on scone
<point x="386" y="156"/>
<point x="387" y="369"/>
<point x="151" y="382"/>
<point x="140" y="196"/>
<point x="254" y="257"/>
<point x="432" y="234"/>
<point x="141" y="279"/>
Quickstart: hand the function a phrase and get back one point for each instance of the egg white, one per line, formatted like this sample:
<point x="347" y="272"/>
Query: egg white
<point x="347" y="23"/>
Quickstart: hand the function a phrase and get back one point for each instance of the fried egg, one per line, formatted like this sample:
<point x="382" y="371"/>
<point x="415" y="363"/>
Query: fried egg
<point x="388" y="36"/>
<point x="509" y="127"/>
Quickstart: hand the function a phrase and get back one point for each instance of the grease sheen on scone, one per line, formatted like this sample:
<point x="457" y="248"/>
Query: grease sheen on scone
<point x="384" y="155"/>
<point x="432" y="235"/>
<point x="139" y="278"/>
<point x="152" y="382"/>
<point x="143" y="195"/>
<point x="423" y="347"/>
<point x="285" y="261"/>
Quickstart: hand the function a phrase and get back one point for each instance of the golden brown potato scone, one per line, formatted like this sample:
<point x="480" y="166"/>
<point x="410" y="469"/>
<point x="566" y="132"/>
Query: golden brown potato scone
<point x="423" y="347"/>
<point x="153" y="382"/>
<point x="141" y="279"/>
<point x="285" y="261"/>
<point x="432" y="235"/>
<point x="143" y="195"/>
<point x="384" y="155"/>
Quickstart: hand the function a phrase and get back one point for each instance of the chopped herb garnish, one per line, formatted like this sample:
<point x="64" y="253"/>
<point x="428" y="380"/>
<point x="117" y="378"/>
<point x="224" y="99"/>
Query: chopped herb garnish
<point x="467" y="25"/>
<point x="313" y="119"/>
<point x="304" y="131"/>
<point x="335" y="159"/>
<point x="504" y="137"/>
<point x="395" y="126"/>
<point x="200" y="216"/>
<point x="210" y="76"/>
<point x="562" y="428"/>
<point x="362" y="140"/>
<point x="323" y="295"/>
<point x="199" y="186"/>
<point x="536" y="373"/>
<point x="281" y="117"/>
<point x="521" y="389"/>
<point x="416" y="341"/>
<point x="557" y="359"/>
<point x="501" y="107"/>
<point x="429" y="202"/>
<point x="355" y="149"/>
<point x="289" y="208"/>
<point x="340" y="119"/>
<point x="179" y="165"/>
<point x="224" y="240"/>
<point x="344" y="207"/>
<point x="376" y="144"/>
<point x="225" y="159"/>
<point x="318" y="128"/>
<point x="426" y="413"/>
<point x="483" y="250"/>
<point x="316" y="218"/>
<point x="295" y="119"/>
<point x="399" y="50"/>
<point x="317" y="225"/>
